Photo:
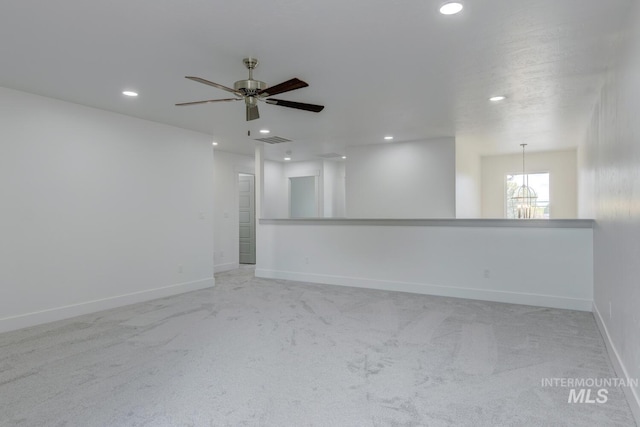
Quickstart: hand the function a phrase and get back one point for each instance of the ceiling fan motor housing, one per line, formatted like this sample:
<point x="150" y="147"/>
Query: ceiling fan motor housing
<point x="249" y="87"/>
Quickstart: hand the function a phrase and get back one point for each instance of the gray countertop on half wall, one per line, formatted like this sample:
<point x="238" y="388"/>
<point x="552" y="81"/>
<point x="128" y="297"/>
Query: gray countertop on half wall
<point x="448" y="222"/>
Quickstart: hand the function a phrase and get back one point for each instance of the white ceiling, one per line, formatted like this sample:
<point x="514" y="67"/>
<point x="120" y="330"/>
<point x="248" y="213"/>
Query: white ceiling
<point x="379" y="67"/>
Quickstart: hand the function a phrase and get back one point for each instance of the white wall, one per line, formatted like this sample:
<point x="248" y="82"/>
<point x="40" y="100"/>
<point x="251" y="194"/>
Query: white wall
<point x="468" y="182"/>
<point x="401" y="180"/>
<point x="98" y="210"/>
<point x="563" y="186"/>
<point x="586" y="181"/>
<point x="610" y="171"/>
<point x="329" y="178"/>
<point x="275" y="191"/>
<point x="334" y="189"/>
<point x="439" y="260"/>
<point x="304" y="168"/>
<point x="227" y="166"/>
<point x="340" y="191"/>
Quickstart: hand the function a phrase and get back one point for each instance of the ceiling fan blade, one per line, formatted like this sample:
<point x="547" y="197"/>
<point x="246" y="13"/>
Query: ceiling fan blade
<point x="219" y="86"/>
<point x="299" y="105"/>
<point x="287" y="86"/>
<point x="252" y="112"/>
<point x="208" y="101"/>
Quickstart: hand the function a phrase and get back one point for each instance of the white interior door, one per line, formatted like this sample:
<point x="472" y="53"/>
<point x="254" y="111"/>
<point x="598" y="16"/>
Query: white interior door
<point x="247" y="218"/>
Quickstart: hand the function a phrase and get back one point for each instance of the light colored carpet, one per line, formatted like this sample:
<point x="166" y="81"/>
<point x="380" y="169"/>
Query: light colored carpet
<point x="274" y="353"/>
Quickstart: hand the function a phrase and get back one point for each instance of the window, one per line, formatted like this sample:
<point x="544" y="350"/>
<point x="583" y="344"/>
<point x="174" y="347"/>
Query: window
<point x="539" y="182"/>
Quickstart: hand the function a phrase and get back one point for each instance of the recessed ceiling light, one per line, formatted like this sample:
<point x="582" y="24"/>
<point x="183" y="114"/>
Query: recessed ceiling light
<point x="451" y="8"/>
<point x="388" y="137"/>
<point x="344" y="157"/>
<point x="264" y="131"/>
<point x="129" y="93"/>
<point x="497" y="98"/>
<point x="287" y="158"/>
<point x="214" y="143"/>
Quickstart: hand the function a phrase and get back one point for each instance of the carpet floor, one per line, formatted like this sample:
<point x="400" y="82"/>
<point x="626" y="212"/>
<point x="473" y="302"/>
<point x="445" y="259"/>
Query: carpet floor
<point x="256" y="352"/>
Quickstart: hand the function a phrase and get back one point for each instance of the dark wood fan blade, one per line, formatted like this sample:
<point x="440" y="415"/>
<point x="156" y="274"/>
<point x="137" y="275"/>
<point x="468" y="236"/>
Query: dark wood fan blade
<point x="208" y="101"/>
<point x="299" y="105"/>
<point x="252" y="113"/>
<point x="287" y="86"/>
<point x="219" y="86"/>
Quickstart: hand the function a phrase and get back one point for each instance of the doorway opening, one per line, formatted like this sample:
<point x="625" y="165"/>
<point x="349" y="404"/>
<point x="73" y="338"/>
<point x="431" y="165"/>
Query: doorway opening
<point x="247" y="218"/>
<point x="303" y="197"/>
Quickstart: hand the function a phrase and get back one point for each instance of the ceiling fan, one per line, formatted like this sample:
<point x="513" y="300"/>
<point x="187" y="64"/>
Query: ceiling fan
<point x="252" y="91"/>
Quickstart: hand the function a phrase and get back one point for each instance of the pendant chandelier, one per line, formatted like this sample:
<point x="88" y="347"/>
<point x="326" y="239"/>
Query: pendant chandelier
<point x="525" y="197"/>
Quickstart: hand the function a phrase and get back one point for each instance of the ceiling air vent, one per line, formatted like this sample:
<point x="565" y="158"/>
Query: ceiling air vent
<point x="273" y="140"/>
<point x="330" y="155"/>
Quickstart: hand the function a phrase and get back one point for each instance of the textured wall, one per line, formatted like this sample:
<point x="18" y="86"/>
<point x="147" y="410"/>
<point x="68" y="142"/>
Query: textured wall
<point x="610" y="169"/>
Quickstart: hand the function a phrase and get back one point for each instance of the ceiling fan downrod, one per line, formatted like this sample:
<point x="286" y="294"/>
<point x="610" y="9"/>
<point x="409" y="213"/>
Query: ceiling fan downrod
<point x="251" y="64"/>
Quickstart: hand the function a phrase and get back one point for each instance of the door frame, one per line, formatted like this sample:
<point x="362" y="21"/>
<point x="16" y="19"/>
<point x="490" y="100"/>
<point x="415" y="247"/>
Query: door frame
<point x="237" y="170"/>
<point x="252" y="222"/>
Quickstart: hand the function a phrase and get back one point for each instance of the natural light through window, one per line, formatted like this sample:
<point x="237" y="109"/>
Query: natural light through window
<point x="539" y="182"/>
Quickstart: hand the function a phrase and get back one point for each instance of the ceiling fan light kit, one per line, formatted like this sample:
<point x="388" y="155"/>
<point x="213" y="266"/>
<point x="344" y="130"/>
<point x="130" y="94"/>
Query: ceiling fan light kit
<point x="254" y="91"/>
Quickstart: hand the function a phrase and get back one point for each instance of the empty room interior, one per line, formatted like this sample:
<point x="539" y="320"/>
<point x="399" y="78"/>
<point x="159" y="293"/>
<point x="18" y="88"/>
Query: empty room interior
<point x="287" y="213"/>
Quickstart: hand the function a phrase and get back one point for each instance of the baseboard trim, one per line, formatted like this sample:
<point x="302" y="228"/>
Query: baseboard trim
<point x="427" y="289"/>
<point x="59" y="313"/>
<point x="226" y="267"/>
<point x="621" y="371"/>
